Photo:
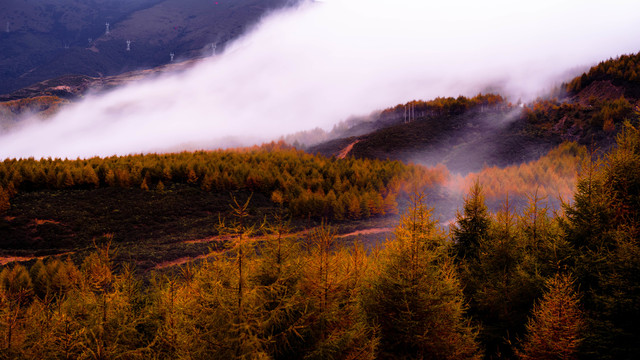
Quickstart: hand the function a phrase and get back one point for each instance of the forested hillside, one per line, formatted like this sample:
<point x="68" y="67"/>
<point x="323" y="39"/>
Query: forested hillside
<point x="508" y="284"/>
<point x="466" y="134"/>
<point x="308" y="185"/>
<point x="168" y="205"/>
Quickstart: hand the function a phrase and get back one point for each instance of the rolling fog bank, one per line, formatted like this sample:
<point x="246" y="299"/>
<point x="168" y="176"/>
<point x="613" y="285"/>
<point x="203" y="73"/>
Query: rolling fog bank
<point x="323" y="62"/>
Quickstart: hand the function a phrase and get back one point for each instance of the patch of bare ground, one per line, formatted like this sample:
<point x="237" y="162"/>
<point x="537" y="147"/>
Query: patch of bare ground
<point x="367" y="232"/>
<point x="181" y="261"/>
<point x="208" y="239"/>
<point x="4" y="260"/>
<point x="344" y="152"/>
<point x="600" y="90"/>
<point x="38" y="222"/>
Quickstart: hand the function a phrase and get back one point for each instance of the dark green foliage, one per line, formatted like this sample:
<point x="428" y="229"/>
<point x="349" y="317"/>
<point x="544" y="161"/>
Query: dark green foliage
<point x="513" y="260"/>
<point x="471" y="225"/>
<point x="595" y="122"/>
<point x="602" y="225"/>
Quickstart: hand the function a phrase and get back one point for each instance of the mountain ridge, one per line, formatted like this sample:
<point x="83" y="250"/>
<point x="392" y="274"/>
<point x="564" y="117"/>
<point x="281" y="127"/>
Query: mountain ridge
<point x="53" y="38"/>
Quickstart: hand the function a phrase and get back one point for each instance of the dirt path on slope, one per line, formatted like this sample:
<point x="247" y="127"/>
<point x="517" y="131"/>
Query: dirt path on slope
<point x="4" y="260"/>
<point x="344" y="152"/>
<point x="367" y="232"/>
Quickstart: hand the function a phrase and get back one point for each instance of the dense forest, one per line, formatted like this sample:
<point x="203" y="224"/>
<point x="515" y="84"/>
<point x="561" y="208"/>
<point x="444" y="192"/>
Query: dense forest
<point x="308" y="185"/>
<point x="529" y="284"/>
<point x="552" y="176"/>
<point x="591" y="107"/>
<point x="624" y="69"/>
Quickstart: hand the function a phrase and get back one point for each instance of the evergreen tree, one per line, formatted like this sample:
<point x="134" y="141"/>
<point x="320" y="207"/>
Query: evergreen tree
<point x="555" y="327"/>
<point x="502" y="282"/>
<point x="16" y="290"/>
<point x="335" y="327"/>
<point x="414" y="297"/>
<point x="602" y="225"/>
<point x="471" y="225"/>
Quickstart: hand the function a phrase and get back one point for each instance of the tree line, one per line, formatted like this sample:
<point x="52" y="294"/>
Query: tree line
<point x="308" y="185"/>
<point x="623" y="69"/>
<point x="448" y="105"/>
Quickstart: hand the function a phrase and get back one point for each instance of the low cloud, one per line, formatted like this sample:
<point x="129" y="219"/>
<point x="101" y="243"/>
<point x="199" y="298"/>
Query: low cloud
<point x="322" y="62"/>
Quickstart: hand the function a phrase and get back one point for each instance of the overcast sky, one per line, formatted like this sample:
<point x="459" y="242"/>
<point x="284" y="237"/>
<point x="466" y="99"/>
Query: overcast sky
<point x="325" y="61"/>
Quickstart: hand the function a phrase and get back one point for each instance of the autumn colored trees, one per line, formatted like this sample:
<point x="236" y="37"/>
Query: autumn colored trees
<point x="602" y="225"/>
<point x="554" y="331"/>
<point x="449" y="105"/>
<point x="528" y="284"/>
<point x="309" y="185"/>
<point x="276" y="297"/>
<point x="552" y="176"/>
<point x="624" y="68"/>
<point x="414" y="297"/>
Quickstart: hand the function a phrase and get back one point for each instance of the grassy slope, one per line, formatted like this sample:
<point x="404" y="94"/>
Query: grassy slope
<point x="146" y="225"/>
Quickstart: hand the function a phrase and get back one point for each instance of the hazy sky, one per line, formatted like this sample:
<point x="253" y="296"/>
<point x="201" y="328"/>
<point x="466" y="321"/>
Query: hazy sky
<point x="320" y="63"/>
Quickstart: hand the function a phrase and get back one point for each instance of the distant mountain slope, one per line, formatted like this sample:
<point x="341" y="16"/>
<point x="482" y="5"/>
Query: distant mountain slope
<point x="45" y="98"/>
<point x="468" y="134"/>
<point x="46" y="39"/>
<point x="463" y="134"/>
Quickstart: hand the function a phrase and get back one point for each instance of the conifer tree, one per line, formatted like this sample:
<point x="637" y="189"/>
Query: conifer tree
<point x="502" y="283"/>
<point x="414" y="297"/>
<point x="602" y="226"/>
<point x="277" y="279"/>
<point x="336" y="327"/>
<point x="472" y="224"/>
<point x="16" y="290"/>
<point x="89" y="177"/>
<point x="555" y="326"/>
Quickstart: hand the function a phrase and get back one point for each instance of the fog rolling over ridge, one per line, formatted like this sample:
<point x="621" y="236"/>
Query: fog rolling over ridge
<point x="322" y="62"/>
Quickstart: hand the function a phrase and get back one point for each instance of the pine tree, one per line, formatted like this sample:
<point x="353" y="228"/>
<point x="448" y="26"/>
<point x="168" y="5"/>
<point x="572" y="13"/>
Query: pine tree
<point x="90" y="177"/>
<point x="16" y="290"/>
<point x="144" y="186"/>
<point x="414" y="297"/>
<point x="502" y="283"/>
<point x="160" y="186"/>
<point x="472" y="225"/>
<point x="335" y="327"/>
<point x="602" y="226"/>
<point x="555" y="326"/>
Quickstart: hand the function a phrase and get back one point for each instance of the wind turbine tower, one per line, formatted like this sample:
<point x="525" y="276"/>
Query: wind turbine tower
<point x="213" y="49"/>
<point x="172" y="55"/>
<point x="107" y="31"/>
<point x="128" y="45"/>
